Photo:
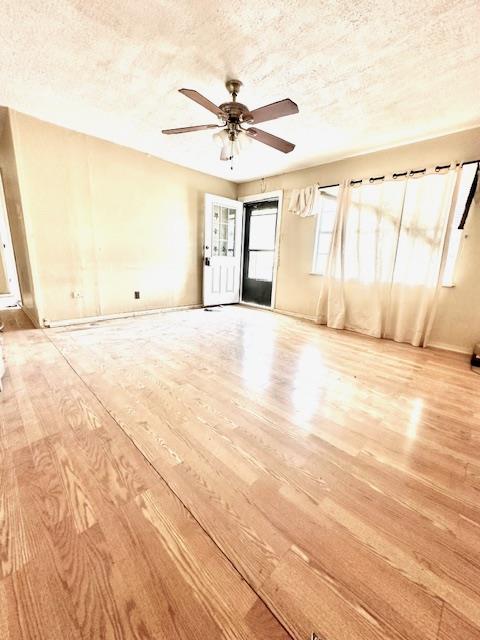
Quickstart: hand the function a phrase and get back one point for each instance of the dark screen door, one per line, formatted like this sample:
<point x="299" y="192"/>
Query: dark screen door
<point x="259" y="251"/>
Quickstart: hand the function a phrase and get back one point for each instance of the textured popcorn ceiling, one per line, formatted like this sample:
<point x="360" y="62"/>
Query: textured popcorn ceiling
<point x="366" y="74"/>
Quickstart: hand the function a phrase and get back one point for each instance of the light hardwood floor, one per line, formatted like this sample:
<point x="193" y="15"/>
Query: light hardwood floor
<point x="236" y="474"/>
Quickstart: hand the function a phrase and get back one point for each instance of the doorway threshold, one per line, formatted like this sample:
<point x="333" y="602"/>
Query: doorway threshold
<point x="256" y="306"/>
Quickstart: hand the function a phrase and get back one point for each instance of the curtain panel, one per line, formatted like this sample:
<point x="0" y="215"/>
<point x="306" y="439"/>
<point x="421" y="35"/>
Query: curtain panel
<point x="386" y="257"/>
<point x="303" y="202"/>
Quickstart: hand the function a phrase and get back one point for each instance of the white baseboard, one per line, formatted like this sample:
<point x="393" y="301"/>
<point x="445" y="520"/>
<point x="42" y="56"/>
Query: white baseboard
<point x="294" y="314"/>
<point x="450" y="347"/>
<point x="434" y="345"/>
<point x="32" y="316"/>
<point x="51" y="324"/>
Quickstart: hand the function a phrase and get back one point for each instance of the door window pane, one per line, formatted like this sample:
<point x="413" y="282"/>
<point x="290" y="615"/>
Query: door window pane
<point x="223" y="231"/>
<point x="215" y="230"/>
<point x="262" y="232"/>
<point x="260" y="265"/>
<point x="231" y="221"/>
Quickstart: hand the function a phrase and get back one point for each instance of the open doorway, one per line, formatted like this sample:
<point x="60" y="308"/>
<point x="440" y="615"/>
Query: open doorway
<point x="9" y="287"/>
<point x="260" y="244"/>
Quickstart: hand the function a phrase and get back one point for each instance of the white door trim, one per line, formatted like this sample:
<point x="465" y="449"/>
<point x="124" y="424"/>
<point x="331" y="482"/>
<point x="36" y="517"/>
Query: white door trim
<point x="14" y="296"/>
<point x="259" y="197"/>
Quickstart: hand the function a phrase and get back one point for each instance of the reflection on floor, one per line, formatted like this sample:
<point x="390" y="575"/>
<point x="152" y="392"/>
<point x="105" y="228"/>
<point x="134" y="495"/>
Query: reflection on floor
<point x="236" y="475"/>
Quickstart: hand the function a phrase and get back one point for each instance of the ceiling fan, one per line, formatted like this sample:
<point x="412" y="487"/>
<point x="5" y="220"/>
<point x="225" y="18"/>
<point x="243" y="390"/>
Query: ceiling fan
<point x="233" y="115"/>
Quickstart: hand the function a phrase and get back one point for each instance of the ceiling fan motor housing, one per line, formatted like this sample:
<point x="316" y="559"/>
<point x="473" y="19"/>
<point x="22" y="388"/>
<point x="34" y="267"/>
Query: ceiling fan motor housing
<point x="236" y="112"/>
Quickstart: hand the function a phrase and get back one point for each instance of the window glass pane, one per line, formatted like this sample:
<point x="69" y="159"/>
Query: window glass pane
<point x="323" y="244"/>
<point x="452" y="255"/>
<point x="456" y="234"/>
<point x="262" y="232"/>
<point x="327" y="218"/>
<point x="325" y="223"/>
<point x="321" y="264"/>
<point x="260" y="265"/>
<point x="262" y="211"/>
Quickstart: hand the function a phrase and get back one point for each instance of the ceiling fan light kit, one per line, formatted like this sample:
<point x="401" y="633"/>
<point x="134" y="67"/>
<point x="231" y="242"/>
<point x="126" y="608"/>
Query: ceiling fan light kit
<point x="229" y="147"/>
<point x="233" y="116"/>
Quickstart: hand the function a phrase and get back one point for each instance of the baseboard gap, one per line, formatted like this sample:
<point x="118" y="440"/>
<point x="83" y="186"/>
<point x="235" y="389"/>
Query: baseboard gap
<point x="52" y="324"/>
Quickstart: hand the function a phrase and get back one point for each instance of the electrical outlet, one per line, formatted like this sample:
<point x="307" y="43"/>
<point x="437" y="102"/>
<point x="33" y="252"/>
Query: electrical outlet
<point x="137" y="295"/>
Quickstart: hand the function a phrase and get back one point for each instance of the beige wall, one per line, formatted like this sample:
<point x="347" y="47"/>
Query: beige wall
<point x="104" y="221"/>
<point x="457" y="323"/>
<point x="13" y="203"/>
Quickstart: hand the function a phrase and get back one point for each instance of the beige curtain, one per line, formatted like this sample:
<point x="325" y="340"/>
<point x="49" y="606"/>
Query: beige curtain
<point x="303" y="202"/>
<point x="386" y="257"/>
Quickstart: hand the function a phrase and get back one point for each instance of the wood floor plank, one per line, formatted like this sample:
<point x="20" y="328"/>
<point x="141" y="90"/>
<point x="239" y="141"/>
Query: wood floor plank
<point x="455" y="628"/>
<point x="93" y="544"/>
<point x="14" y="547"/>
<point x="354" y="434"/>
<point x="366" y="573"/>
<point x="163" y="462"/>
<point x="305" y="594"/>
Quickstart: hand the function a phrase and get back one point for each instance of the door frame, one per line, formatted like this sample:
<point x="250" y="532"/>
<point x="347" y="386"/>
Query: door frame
<point x="260" y="197"/>
<point x="11" y="272"/>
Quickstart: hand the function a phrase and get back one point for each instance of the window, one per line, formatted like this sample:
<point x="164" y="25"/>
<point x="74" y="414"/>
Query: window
<point x="326" y="214"/>
<point x="456" y="234"/>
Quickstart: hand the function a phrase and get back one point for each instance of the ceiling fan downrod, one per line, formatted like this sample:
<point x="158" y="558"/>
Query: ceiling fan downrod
<point x="233" y="87"/>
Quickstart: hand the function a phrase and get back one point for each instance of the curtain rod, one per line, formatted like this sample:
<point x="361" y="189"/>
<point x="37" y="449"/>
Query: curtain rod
<point x="402" y="174"/>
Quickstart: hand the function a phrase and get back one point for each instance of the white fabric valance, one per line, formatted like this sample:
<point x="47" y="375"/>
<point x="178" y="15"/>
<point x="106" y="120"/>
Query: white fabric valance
<point x="303" y="201"/>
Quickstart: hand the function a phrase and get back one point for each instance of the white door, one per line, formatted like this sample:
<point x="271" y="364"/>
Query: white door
<point x="222" y="250"/>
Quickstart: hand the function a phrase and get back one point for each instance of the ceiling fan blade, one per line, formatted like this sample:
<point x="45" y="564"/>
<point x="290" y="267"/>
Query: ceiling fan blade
<point x="271" y="140"/>
<point x="201" y="100"/>
<point x="200" y="127"/>
<point x="275" y="110"/>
